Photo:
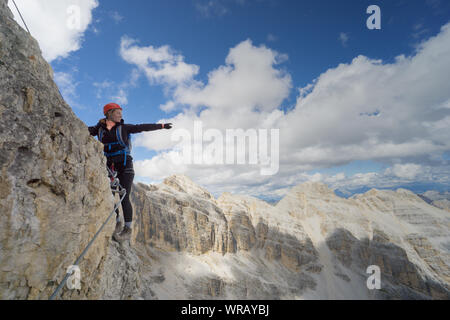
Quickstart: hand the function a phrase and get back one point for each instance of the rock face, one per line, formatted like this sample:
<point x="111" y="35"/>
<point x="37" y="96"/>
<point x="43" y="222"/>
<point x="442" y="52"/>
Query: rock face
<point x="232" y="247"/>
<point x="312" y="244"/>
<point x="184" y="217"/>
<point x="54" y="190"/>
<point x="54" y="196"/>
<point x="437" y="199"/>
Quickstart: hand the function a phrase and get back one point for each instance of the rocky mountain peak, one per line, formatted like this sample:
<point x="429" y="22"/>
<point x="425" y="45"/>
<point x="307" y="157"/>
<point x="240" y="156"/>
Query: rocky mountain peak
<point x="388" y="195"/>
<point x="183" y="183"/>
<point x="311" y="188"/>
<point x="4" y="10"/>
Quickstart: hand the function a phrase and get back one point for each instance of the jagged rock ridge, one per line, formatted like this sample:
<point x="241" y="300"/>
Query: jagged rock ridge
<point x="437" y="199"/>
<point x="312" y="244"/>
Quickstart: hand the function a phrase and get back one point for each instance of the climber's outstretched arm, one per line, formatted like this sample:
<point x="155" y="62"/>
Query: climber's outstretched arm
<point x="137" y="128"/>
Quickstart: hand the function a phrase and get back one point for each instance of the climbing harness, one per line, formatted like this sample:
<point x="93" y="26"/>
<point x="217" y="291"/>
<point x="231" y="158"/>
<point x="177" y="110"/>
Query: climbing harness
<point x="116" y="188"/>
<point x="21" y="17"/>
<point x="126" y="147"/>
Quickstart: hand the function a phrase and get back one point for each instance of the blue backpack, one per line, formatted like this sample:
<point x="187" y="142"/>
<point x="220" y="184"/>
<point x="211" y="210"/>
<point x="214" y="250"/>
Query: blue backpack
<point x="126" y="147"/>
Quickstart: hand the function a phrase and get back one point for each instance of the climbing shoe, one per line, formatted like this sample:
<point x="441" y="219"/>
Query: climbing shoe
<point x="124" y="235"/>
<point x="118" y="227"/>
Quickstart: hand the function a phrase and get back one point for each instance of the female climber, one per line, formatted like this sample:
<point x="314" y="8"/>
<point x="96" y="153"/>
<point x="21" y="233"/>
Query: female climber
<point x="115" y="135"/>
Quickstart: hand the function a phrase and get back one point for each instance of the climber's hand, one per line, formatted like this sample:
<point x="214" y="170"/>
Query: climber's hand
<point x="167" y="126"/>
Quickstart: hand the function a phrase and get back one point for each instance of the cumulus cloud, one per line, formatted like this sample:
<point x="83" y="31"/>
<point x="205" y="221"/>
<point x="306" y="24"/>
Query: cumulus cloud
<point x="211" y="8"/>
<point x="247" y="81"/>
<point x="407" y="171"/>
<point x="394" y="113"/>
<point x="168" y="106"/>
<point x="370" y="110"/>
<point x="244" y="93"/>
<point x="161" y="65"/>
<point x="58" y="25"/>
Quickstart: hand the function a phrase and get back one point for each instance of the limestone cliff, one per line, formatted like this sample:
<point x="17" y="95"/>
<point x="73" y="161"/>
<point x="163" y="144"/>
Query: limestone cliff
<point x="437" y="199"/>
<point x="312" y="244"/>
<point x="54" y="190"/>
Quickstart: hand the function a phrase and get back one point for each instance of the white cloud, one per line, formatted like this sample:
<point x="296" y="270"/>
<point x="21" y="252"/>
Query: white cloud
<point x="393" y="177"/>
<point x="153" y="167"/>
<point x="169" y="106"/>
<point x="247" y="81"/>
<point x="407" y="171"/>
<point x="250" y="81"/>
<point x="58" y="25"/>
<point x="335" y="124"/>
<point x="364" y="110"/>
<point x="245" y="93"/>
<point x="160" y="65"/>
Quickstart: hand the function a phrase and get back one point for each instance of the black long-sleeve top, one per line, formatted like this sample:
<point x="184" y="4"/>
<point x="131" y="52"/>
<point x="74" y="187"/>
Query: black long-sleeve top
<point x="110" y="136"/>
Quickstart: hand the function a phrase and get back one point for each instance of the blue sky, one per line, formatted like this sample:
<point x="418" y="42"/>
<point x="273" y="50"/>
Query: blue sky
<point x="317" y="43"/>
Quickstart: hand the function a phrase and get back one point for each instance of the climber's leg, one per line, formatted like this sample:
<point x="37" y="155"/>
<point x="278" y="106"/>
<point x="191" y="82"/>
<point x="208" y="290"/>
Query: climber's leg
<point x="126" y="181"/>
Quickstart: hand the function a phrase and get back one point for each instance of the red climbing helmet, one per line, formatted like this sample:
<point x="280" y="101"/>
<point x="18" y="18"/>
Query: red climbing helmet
<point x="110" y="106"/>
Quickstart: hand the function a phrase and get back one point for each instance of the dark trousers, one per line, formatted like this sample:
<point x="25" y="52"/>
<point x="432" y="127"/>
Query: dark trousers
<point x="125" y="174"/>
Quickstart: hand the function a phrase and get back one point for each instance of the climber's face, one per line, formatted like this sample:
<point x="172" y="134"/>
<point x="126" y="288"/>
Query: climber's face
<point x="116" y="116"/>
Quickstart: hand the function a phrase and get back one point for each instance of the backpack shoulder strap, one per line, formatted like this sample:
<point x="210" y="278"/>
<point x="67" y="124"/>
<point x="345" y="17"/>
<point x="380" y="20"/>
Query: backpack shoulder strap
<point x="101" y="132"/>
<point x="119" y="135"/>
